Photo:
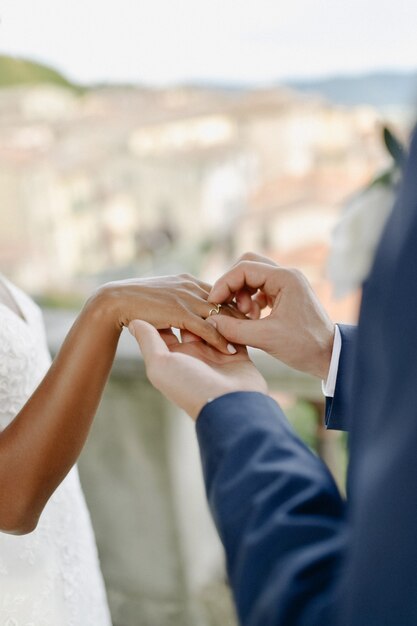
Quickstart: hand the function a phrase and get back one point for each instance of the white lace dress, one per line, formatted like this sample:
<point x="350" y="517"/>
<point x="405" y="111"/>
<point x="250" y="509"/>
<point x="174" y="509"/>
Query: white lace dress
<point x="50" y="577"/>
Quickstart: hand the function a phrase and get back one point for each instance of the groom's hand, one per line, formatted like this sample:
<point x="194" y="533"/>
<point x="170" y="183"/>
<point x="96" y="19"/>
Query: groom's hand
<point x="191" y="373"/>
<point x="297" y="330"/>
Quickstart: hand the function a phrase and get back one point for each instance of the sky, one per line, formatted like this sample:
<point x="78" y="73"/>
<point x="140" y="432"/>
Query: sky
<point x="225" y="41"/>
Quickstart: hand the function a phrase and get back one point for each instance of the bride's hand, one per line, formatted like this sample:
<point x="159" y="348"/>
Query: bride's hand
<point x="165" y="302"/>
<point x="191" y="373"/>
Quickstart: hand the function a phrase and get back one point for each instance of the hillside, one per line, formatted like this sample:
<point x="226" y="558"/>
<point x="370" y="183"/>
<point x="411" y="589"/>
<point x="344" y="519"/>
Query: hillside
<point x="380" y="89"/>
<point x="16" y="71"/>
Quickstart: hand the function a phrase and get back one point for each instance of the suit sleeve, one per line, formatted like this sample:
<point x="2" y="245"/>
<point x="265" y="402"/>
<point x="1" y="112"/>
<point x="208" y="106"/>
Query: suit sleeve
<point x="277" y="510"/>
<point x="337" y="414"/>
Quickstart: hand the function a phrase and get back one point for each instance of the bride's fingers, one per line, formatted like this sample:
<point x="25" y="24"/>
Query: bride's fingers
<point x="232" y="311"/>
<point x="189" y="337"/>
<point x="206" y="331"/>
<point x="169" y="337"/>
<point x="200" y="307"/>
<point x="205" y="286"/>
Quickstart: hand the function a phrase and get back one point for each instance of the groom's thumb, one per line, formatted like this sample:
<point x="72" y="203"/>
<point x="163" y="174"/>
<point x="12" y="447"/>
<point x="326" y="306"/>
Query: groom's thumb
<point x="150" y="342"/>
<point x="244" y="332"/>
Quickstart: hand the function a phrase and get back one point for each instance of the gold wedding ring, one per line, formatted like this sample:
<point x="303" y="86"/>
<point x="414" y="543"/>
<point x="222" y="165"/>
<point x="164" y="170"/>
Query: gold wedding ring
<point x="215" y="310"/>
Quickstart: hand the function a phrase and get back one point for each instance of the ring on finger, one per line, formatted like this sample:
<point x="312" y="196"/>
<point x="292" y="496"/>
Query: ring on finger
<point x="215" y="310"/>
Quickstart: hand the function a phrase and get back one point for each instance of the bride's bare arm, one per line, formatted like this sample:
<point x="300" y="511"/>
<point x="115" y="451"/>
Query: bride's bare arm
<point x="44" y="440"/>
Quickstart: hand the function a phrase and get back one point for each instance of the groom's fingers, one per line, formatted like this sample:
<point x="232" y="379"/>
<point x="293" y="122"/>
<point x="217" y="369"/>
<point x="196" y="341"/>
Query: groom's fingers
<point x="150" y="342"/>
<point x="248" y="303"/>
<point x="155" y="352"/>
<point x="244" y="300"/>
<point x="252" y="256"/>
<point x="245" y="275"/>
<point x="261" y="299"/>
<point x="250" y="275"/>
<point x="244" y="332"/>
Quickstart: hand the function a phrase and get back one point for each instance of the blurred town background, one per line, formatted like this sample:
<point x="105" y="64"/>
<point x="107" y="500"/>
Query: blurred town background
<point x="110" y="182"/>
<point x="107" y="182"/>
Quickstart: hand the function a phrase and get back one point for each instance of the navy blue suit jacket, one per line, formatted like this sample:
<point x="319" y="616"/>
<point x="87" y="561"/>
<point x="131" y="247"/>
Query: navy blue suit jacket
<point x="297" y="554"/>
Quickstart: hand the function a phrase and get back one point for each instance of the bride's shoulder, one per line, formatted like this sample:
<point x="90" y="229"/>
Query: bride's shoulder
<point x="22" y="328"/>
<point x="25" y="306"/>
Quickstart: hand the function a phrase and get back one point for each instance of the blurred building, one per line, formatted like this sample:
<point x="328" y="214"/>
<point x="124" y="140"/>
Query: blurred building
<point x="119" y="181"/>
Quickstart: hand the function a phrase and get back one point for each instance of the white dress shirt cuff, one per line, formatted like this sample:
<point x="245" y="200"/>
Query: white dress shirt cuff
<point x="328" y="386"/>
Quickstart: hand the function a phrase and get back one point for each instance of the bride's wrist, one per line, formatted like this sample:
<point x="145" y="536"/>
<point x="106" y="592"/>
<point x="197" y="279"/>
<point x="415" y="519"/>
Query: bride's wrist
<point x="103" y="309"/>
